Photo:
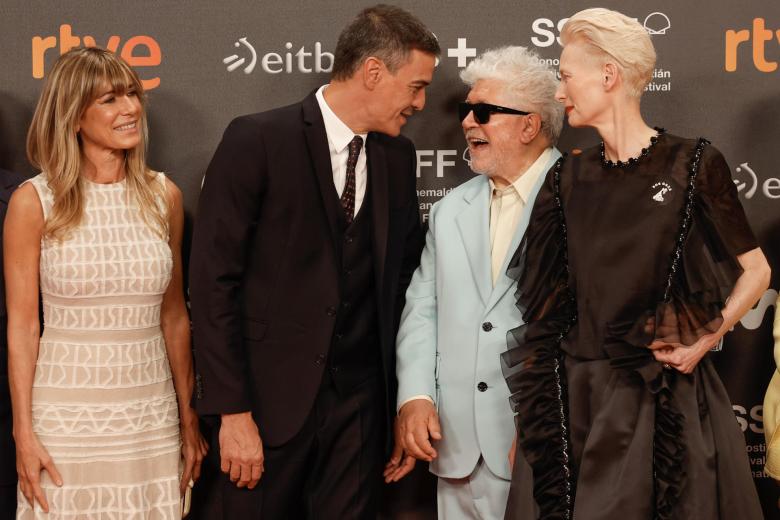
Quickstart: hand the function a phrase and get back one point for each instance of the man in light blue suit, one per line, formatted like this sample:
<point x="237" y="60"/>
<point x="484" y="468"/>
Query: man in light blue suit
<point x="453" y="408"/>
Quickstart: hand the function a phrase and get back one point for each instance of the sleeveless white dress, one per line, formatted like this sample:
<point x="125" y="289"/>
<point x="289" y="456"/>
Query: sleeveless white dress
<point x="103" y="401"/>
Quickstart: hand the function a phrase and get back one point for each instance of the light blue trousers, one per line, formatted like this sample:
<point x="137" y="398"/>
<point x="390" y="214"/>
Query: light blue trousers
<point x="480" y="496"/>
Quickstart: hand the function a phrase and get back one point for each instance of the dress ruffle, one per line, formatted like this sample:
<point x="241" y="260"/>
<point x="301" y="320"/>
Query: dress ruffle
<point x="703" y="272"/>
<point x="533" y="365"/>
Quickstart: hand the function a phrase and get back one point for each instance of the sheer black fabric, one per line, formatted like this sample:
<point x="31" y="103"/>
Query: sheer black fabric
<point x="614" y="259"/>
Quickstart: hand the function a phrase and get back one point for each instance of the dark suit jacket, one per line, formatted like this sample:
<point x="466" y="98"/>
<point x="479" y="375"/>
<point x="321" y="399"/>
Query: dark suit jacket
<point x="8" y="183"/>
<point x="264" y="270"/>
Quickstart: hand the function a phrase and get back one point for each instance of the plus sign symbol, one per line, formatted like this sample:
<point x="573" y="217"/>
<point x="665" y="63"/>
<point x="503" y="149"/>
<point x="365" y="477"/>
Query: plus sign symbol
<point x="463" y="52"/>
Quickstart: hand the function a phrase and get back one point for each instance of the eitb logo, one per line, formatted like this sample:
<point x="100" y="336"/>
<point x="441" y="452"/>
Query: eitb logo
<point x="288" y="61"/>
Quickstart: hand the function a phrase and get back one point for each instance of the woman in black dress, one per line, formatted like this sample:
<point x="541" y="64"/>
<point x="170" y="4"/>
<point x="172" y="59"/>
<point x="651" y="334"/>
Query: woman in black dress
<point x="638" y="259"/>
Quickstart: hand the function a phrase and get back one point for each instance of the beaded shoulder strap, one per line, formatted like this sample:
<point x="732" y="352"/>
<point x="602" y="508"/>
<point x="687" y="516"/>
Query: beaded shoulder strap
<point x="687" y="216"/>
<point x="558" y="201"/>
<point x="560" y="378"/>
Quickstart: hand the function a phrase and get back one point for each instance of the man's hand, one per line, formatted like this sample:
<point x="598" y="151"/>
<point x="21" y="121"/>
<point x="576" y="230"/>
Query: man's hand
<point x="400" y="463"/>
<point x="241" y="450"/>
<point x="418" y="423"/>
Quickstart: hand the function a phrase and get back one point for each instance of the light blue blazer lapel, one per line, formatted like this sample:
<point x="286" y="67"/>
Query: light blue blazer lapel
<point x="503" y="282"/>
<point x="475" y="232"/>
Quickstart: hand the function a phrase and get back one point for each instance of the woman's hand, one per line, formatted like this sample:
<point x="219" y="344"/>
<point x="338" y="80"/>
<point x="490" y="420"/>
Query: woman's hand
<point x="681" y="358"/>
<point x="193" y="449"/>
<point x="31" y="459"/>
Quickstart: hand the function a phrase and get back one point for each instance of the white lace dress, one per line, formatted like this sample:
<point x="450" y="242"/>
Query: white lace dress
<point x="103" y="400"/>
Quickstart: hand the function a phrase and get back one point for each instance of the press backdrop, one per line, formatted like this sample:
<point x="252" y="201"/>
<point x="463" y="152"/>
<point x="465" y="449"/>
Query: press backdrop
<point x="206" y="62"/>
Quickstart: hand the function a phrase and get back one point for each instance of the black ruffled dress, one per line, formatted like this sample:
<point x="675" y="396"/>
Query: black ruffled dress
<point x="617" y="256"/>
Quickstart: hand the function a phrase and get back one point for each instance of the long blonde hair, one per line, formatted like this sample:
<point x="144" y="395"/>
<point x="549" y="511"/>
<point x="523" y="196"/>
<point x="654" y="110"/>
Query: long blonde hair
<point x="53" y="144"/>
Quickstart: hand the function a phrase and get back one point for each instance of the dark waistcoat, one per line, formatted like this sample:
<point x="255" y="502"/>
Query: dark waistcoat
<point x="355" y="352"/>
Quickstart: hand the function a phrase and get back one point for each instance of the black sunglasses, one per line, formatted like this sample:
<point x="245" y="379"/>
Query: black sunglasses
<point x="482" y="111"/>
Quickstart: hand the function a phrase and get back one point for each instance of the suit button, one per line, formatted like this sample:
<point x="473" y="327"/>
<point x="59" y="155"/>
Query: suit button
<point x="482" y="386"/>
<point x="330" y="311"/>
<point x="347" y="272"/>
<point x="338" y="337"/>
<point x="334" y="369"/>
<point x="348" y="239"/>
<point x="487" y="326"/>
<point x="345" y="305"/>
<point x="320" y="359"/>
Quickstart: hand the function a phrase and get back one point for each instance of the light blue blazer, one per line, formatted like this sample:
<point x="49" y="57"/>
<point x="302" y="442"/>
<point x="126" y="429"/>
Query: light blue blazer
<point x="453" y="330"/>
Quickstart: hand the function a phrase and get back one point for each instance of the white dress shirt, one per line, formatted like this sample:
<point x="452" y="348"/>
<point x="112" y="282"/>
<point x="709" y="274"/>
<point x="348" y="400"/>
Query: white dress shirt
<point x="339" y="136"/>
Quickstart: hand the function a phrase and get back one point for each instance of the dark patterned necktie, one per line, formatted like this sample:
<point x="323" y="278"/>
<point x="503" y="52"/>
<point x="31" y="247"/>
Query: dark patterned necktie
<point x="348" y="195"/>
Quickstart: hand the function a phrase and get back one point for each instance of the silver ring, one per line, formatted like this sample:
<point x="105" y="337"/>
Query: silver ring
<point x="667" y="365"/>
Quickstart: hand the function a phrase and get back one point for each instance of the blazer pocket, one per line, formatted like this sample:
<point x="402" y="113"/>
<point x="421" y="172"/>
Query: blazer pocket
<point x="437" y="391"/>
<point x="254" y="330"/>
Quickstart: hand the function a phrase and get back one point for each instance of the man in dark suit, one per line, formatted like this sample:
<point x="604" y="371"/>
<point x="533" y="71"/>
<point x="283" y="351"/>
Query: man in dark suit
<point x="306" y="237"/>
<point x="8" y="183"/>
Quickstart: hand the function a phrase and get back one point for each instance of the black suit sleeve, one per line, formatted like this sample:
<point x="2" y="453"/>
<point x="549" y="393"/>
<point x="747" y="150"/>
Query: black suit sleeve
<point x="8" y="183"/>
<point x="227" y="212"/>
<point x="414" y="243"/>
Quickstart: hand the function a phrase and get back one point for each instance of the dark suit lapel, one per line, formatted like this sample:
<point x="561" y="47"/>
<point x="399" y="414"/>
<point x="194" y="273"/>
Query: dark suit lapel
<point x="378" y="184"/>
<point x="8" y="184"/>
<point x="6" y="192"/>
<point x="317" y="143"/>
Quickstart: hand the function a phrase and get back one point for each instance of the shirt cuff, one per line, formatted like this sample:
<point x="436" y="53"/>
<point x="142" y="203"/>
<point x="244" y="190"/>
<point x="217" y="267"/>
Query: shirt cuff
<point x="414" y="397"/>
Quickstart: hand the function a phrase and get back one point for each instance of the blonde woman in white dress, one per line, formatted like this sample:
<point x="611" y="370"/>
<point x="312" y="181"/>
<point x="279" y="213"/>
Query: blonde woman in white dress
<point x="101" y="401"/>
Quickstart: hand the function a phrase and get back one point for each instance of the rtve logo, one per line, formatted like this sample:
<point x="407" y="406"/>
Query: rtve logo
<point x="137" y="51"/>
<point x="760" y="36"/>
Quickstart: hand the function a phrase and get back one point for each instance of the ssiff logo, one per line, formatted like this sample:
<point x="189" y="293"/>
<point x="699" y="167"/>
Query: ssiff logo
<point x="657" y="23"/>
<point x="462" y="53"/>
<point x="137" y="51"/>
<point x="438" y="159"/>
<point x="760" y="36"/>
<point x="545" y="29"/>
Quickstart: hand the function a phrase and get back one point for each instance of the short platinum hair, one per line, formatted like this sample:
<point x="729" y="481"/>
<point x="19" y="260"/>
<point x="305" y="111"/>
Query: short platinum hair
<point x="527" y="79"/>
<point x="613" y="36"/>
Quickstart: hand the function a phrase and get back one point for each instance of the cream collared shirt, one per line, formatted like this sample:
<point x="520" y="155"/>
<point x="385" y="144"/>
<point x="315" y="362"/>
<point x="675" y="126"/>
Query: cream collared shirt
<point x="339" y="136"/>
<point x="506" y="206"/>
